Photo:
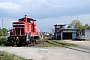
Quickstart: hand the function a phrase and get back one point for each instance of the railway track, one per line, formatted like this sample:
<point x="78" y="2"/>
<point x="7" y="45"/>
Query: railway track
<point x="56" y="43"/>
<point x="33" y="44"/>
<point x="67" y="45"/>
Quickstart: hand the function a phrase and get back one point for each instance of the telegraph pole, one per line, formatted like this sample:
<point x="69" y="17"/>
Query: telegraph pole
<point x="2" y="27"/>
<point x="77" y="17"/>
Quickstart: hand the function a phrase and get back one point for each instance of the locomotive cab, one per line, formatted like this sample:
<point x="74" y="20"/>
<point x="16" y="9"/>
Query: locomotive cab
<point x="23" y="31"/>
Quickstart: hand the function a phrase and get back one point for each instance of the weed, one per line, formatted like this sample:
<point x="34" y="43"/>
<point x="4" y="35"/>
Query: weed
<point x="7" y="56"/>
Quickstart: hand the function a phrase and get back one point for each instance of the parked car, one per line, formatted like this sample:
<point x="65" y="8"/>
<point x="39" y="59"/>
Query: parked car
<point x="80" y="37"/>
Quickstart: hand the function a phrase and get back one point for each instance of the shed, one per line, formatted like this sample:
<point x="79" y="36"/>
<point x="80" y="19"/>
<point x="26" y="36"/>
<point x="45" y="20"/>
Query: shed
<point x="65" y="33"/>
<point x="70" y="33"/>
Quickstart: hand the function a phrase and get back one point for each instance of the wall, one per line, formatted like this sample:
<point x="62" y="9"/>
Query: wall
<point x="87" y="34"/>
<point x="73" y="35"/>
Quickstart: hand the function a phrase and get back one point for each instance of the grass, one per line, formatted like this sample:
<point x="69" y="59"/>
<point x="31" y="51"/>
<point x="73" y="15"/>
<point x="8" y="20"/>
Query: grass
<point x="3" y="37"/>
<point x="8" y="56"/>
<point x="63" y="43"/>
<point x="48" y="45"/>
<point x="55" y="43"/>
<point x="3" y="42"/>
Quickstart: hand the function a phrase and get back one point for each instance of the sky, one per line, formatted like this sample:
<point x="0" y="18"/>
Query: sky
<point x="45" y="12"/>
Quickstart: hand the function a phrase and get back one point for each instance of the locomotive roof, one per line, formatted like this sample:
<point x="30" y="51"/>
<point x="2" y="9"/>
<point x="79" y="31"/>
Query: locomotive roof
<point x="27" y="18"/>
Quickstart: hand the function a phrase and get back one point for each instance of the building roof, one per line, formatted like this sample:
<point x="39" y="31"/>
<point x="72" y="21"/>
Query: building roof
<point x="60" y="24"/>
<point x="70" y="30"/>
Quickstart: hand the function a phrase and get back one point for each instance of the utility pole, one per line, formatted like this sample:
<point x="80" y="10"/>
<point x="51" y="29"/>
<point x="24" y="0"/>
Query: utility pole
<point x="77" y="17"/>
<point x="2" y="27"/>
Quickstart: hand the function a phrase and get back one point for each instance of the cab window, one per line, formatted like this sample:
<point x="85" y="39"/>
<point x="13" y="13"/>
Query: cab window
<point x="21" y="20"/>
<point x="29" y="21"/>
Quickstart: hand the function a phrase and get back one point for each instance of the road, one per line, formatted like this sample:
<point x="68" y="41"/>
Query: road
<point x="80" y="44"/>
<point x="51" y="53"/>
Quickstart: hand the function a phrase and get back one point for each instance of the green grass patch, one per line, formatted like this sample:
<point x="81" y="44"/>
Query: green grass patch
<point x="63" y="43"/>
<point x="48" y="45"/>
<point x="8" y="56"/>
<point x="55" y="43"/>
<point x="3" y="37"/>
<point x="4" y="42"/>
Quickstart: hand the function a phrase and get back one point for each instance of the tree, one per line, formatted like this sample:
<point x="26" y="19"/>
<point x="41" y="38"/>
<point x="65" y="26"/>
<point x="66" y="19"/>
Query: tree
<point x="0" y="31"/>
<point x="76" y="24"/>
<point x="69" y="26"/>
<point x="4" y="30"/>
<point x="87" y="26"/>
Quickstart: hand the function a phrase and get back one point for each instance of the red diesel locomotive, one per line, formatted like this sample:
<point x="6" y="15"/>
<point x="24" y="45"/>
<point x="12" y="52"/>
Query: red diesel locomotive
<point x="23" y="31"/>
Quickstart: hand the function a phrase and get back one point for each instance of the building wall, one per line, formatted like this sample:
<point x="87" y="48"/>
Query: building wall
<point x="87" y="34"/>
<point x="73" y="35"/>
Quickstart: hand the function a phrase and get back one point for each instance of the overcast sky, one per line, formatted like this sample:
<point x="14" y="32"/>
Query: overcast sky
<point x="46" y="12"/>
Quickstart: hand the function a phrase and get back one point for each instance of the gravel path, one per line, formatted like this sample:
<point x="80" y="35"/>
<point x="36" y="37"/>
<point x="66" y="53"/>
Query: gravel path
<point x="37" y="53"/>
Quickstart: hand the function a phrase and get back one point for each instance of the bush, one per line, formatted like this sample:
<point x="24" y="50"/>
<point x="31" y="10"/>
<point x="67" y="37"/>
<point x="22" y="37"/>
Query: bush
<point x="4" y="42"/>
